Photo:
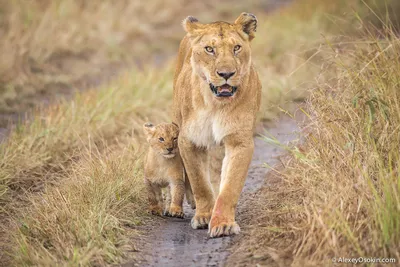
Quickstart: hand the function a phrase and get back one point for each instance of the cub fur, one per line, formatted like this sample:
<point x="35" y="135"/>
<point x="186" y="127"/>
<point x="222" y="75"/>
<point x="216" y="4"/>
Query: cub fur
<point x="163" y="167"/>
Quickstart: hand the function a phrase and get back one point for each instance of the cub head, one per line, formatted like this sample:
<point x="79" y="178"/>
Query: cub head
<point x="221" y="53"/>
<point x="162" y="138"/>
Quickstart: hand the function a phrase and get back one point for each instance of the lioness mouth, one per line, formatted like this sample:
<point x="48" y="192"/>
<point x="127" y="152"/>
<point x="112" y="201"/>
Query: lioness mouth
<point x="224" y="90"/>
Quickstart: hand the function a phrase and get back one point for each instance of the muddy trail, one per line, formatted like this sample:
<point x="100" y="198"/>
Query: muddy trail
<point x="172" y="242"/>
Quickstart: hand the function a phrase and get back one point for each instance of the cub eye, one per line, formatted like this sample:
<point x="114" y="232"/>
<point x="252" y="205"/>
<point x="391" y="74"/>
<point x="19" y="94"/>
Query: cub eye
<point x="209" y="49"/>
<point x="175" y="138"/>
<point x="161" y="139"/>
<point x="237" y="48"/>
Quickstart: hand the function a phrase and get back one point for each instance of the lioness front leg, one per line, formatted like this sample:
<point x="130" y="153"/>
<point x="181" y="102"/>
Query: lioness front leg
<point x="239" y="151"/>
<point x="195" y="161"/>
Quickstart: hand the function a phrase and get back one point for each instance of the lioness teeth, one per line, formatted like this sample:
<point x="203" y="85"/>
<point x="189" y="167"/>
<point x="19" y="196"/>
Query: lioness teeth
<point x="225" y="90"/>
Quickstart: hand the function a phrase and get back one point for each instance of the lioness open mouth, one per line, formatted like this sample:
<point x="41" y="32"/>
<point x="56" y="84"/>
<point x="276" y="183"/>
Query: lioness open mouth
<point x="224" y="90"/>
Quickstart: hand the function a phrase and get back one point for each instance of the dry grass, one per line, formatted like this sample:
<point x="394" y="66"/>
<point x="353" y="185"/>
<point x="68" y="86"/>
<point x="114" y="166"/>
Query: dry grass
<point x="343" y="186"/>
<point x="87" y="218"/>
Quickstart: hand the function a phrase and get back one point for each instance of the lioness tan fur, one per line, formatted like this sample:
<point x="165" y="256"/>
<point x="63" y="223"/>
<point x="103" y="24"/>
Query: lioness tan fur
<point x="163" y="167"/>
<point x="217" y="94"/>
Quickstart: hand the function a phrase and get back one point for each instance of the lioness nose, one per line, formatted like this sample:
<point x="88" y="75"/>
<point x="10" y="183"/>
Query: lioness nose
<point x="170" y="149"/>
<point x="226" y="75"/>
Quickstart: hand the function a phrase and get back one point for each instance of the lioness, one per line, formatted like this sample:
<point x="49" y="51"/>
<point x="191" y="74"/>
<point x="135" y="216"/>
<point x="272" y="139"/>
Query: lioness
<point x="217" y="94"/>
<point x="163" y="167"/>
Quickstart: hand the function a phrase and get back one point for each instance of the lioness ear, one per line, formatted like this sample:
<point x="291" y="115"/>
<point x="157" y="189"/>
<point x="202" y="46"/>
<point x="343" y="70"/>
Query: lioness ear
<point x="148" y="128"/>
<point x="191" y="24"/>
<point x="248" y="24"/>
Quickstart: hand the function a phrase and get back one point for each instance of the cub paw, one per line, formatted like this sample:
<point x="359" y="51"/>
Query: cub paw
<point x="176" y="212"/>
<point x="219" y="228"/>
<point x="200" y="221"/>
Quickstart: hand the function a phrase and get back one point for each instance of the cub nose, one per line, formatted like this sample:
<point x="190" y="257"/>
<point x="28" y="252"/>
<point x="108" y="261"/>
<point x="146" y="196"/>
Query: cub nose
<point x="226" y="75"/>
<point x="170" y="149"/>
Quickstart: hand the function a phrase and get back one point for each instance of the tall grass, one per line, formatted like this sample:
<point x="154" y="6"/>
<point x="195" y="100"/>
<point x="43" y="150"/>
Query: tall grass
<point x="88" y="218"/>
<point x="349" y="166"/>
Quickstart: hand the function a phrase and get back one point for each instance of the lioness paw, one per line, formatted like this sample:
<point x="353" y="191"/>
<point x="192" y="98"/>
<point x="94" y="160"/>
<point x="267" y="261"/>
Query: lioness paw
<point x="200" y="221"/>
<point x="223" y="229"/>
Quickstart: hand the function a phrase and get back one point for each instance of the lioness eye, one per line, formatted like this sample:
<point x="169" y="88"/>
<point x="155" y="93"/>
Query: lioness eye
<point x="161" y="139"/>
<point x="237" y="48"/>
<point x="209" y="49"/>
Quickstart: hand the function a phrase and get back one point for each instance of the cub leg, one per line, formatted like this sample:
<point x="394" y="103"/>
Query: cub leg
<point x="195" y="162"/>
<point x="154" y="193"/>
<point x="177" y="195"/>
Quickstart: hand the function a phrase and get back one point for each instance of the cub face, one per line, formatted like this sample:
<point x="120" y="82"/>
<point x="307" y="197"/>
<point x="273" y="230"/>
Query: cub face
<point x="221" y="53"/>
<point x="163" y="138"/>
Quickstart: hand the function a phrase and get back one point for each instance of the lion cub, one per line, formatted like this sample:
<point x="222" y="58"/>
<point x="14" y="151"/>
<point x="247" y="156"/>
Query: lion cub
<point x="163" y="167"/>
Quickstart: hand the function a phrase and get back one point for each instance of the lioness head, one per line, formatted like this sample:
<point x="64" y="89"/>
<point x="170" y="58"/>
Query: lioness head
<point x="221" y="53"/>
<point x="162" y="138"/>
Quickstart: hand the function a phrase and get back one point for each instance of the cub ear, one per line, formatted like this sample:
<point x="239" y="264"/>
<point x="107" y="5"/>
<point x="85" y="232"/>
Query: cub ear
<point x="148" y="128"/>
<point x="191" y="25"/>
<point x="248" y="23"/>
<point x="177" y="126"/>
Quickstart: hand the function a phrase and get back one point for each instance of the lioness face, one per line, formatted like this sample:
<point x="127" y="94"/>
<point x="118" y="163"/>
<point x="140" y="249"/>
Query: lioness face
<point x="221" y="53"/>
<point x="163" y="138"/>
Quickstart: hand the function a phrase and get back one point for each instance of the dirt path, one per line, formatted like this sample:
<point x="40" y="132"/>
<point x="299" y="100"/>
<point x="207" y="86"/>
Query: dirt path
<point x="174" y="243"/>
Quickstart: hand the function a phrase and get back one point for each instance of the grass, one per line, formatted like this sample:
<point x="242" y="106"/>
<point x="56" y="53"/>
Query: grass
<point x="88" y="218"/>
<point x="348" y="166"/>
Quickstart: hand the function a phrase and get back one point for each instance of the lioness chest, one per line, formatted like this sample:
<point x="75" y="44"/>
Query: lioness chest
<point x="205" y="128"/>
